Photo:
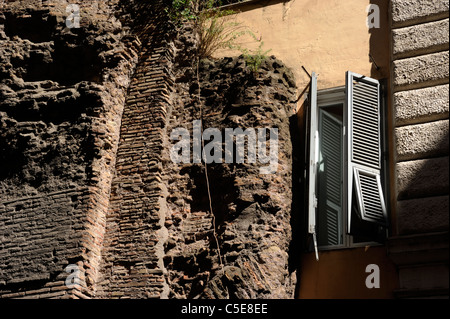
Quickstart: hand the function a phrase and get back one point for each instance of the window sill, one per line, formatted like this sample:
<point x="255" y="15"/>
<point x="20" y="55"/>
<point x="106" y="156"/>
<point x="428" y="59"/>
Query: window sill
<point x="356" y="245"/>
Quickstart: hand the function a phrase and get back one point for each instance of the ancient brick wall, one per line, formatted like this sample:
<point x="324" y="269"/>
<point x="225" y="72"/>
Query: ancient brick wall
<point x="162" y="238"/>
<point x="229" y="225"/>
<point x="135" y="231"/>
<point x="420" y="60"/>
<point x="87" y="179"/>
<point x="62" y="93"/>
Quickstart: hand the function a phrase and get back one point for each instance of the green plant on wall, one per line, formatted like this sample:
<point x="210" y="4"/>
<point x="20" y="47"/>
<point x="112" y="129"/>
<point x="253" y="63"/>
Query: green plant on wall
<point x="253" y="59"/>
<point x="181" y="10"/>
<point x="215" y="28"/>
<point x="190" y="10"/>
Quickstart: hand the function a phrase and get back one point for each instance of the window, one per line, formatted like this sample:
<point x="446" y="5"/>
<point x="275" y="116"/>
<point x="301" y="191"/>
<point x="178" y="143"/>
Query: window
<point x="346" y="201"/>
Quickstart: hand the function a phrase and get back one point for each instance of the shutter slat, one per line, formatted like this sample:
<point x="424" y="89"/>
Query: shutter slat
<point x="330" y="179"/>
<point x="330" y="136"/>
<point x="365" y="97"/>
<point x="363" y="152"/>
<point x="330" y="226"/>
<point x="365" y="123"/>
<point x="372" y="201"/>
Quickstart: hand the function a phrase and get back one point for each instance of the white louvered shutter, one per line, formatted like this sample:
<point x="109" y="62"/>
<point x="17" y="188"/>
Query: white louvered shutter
<point x="313" y="141"/>
<point x="330" y="180"/>
<point x="363" y="151"/>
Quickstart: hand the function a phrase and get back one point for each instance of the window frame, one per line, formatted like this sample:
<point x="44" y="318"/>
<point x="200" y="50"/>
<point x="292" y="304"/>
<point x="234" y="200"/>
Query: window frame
<point x="328" y="98"/>
<point x="320" y="100"/>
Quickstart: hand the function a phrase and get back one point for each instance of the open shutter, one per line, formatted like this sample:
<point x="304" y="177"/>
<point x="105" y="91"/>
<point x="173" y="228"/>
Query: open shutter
<point x="363" y="151"/>
<point x="330" y="180"/>
<point x="313" y="141"/>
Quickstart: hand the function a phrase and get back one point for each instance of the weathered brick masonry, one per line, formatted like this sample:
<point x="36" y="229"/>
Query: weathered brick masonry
<point x="61" y="100"/>
<point x="135" y="231"/>
<point x="87" y="179"/>
<point x="246" y="213"/>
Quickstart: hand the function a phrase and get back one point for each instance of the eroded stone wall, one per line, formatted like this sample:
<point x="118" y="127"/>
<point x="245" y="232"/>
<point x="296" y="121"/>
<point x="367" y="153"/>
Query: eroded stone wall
<point x="229" y="225"/>
<point x="62" y="93"/>
<point x="86" y="177"/>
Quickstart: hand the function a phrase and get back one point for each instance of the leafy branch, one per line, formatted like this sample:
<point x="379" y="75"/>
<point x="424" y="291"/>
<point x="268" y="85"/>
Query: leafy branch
<point x="214" y="26"/>
<point x="253" y="58"/>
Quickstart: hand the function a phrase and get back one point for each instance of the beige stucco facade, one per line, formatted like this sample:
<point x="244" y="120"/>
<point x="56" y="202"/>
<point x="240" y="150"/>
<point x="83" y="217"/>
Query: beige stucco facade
<point x="327" y="37"/>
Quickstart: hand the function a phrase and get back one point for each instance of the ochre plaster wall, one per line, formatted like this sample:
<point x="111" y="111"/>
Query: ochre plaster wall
<point x="341" y="274"/>
<point x="328" y="37"/>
